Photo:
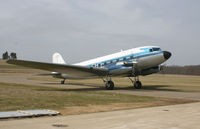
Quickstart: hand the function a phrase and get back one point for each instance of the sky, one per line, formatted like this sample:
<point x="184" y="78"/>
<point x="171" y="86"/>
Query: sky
<point x="85" y="29"/>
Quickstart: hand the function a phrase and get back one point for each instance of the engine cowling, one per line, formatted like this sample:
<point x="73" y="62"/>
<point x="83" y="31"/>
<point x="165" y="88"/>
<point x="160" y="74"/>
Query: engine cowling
<point x="150" y="70"/>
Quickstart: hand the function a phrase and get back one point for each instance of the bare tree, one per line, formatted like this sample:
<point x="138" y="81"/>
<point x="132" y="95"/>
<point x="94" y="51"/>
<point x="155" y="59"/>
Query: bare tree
<point x="184" y="70"/>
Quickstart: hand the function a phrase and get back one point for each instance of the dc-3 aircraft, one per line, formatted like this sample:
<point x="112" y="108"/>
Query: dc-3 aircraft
<point x="129" y="63"/>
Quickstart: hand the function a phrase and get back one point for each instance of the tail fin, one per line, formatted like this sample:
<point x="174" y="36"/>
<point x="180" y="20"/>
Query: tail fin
<point x="57" y="58"/>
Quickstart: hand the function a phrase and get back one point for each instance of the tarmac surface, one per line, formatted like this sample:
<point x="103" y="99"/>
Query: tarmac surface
<point x="183" y="116"/>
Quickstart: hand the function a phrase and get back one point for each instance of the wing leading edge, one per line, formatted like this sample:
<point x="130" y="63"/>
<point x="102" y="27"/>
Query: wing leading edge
<point x="63" y="68"/>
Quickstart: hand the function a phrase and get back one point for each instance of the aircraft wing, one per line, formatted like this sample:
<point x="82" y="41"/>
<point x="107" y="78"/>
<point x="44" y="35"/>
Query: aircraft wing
<point x="82" y="71"/>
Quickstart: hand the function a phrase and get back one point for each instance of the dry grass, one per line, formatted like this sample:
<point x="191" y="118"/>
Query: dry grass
<point x="180" y="83"/>
<point x="21" y="96"/>
<point x="18" y="97"/>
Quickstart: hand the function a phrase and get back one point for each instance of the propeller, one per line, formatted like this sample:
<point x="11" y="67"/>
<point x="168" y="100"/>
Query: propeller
<point x="163" y="68"/>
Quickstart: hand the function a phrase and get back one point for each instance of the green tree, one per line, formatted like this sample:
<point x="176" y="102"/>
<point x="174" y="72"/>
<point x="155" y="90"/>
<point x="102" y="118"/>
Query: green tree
<point x="5" y="56"/>
<point x="13" y="56"/>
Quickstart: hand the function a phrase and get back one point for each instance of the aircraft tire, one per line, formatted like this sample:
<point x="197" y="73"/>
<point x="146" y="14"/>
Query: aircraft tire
<point x="62" y="82"/>
<point x="138" y="85"/>
<point x="109" y="85"/>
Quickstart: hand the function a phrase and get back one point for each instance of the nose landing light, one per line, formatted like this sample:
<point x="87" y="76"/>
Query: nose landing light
<point x="166" y="54"/>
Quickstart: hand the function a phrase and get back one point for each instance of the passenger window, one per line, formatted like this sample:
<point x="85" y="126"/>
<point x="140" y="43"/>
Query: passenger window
<point x="99" y="65"/>
<point x="93" y="65"/>
<point x="111" y="61"/>
<point x="105" y="63"/>
<point x="124" y="58"/>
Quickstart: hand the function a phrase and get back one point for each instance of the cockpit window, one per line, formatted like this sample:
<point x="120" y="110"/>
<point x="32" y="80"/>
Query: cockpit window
<point x="156" y="49"/>
<point x="150" y="50"/>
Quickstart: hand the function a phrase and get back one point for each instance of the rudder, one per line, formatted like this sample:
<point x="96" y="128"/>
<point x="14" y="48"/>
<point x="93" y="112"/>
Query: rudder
<point x="57" y="58"/>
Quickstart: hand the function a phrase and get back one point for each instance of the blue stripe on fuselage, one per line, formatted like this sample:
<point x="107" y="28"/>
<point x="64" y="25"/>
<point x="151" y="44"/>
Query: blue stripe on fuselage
<point x="113" y="66"/>
<point x="145" y="53"/>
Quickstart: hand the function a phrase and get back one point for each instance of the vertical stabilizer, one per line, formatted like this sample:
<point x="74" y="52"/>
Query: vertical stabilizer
<point x="57" y="58"/>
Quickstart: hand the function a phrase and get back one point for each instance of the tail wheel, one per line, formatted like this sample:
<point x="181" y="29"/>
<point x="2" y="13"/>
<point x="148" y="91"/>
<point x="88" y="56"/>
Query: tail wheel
<point x="109" y="85"/>
<point x="137" y="85"/>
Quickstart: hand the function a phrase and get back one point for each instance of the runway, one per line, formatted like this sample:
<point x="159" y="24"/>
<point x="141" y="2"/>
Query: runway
<point x="183" y="116"/>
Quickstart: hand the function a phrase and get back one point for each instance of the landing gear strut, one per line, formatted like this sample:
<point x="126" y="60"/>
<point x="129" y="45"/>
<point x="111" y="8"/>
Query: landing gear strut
<point x="136" y="82"/>
<point x="109" y="84"/>
<point x="63" y="81"/>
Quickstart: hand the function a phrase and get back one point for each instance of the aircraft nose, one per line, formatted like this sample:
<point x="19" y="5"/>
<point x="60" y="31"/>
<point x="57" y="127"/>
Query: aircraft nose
<point x="166" y="54"/>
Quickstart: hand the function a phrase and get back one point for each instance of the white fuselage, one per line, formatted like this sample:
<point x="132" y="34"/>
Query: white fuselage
<point x="125" y="62"/>
<point x="141" y="55"/>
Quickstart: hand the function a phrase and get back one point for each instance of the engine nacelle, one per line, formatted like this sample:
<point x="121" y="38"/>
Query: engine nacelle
<point x="150" y="70"/>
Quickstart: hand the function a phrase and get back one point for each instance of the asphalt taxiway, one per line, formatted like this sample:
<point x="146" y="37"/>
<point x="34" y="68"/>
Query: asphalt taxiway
<point x="183" y="116"/>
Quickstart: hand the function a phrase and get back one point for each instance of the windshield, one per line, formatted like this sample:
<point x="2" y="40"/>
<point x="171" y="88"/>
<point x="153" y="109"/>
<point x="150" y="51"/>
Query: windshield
<point x="156" y="49"/>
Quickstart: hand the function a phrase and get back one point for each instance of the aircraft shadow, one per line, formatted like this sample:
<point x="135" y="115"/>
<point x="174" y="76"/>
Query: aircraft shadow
<point x="159" y="88"/>
<point x="93" y="87"/>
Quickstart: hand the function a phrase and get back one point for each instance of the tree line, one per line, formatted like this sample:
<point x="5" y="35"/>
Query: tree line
<point x="184" y="70"/>
<point x="12" y="56"/>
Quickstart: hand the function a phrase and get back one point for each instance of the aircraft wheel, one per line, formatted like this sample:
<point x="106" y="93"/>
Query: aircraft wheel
<point x="138" y="85"/>
<point x="109" y="85"/>
<point x="63" y="82"/>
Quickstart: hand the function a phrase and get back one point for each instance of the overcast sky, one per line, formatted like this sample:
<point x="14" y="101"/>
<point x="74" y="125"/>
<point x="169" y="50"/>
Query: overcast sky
<point x="84" y="29"/>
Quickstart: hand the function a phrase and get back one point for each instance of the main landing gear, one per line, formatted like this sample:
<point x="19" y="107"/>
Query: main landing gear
<point x="63" y="81"/>
<point x="109" y="84"/>
<point x="136" y="82"/>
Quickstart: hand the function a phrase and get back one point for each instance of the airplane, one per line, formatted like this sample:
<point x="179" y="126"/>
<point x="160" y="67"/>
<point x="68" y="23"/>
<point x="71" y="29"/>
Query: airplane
<point x="132" y="63"/>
